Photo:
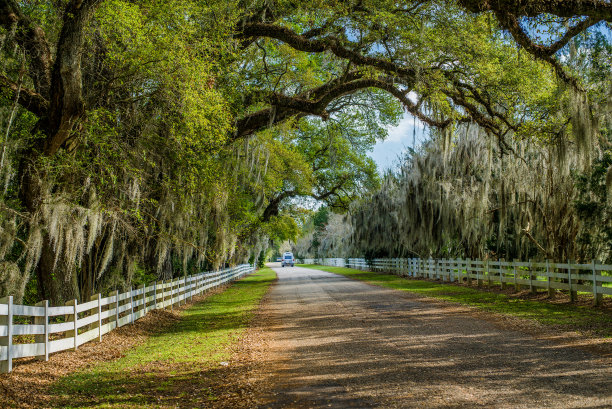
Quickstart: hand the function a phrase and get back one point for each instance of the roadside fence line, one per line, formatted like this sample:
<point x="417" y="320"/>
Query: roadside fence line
<point x="90" y="320"/>
<point x="594" y="278"/>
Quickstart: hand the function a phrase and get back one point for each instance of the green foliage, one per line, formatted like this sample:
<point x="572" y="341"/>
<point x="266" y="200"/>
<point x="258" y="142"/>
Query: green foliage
<point x="261" y="261"/>
<point x="320" y="218"/>
<point x="156" y="180"/>
<point x="593" y="207"/>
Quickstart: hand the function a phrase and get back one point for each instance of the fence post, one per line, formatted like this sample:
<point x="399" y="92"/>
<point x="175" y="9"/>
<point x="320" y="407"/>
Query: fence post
<point x="573" y="294"/>
<point x="141" y="286"/>
<point x="155" y="295"/>
<point x="445" y="269"/>
<point x="489" y="282"/>
<point x="7" y="341"/>
<point x="597" y="297"/>
<point x="99" y="312"/>
<point x="74" y="318"/>
<point x="43" y="338"/>
<point x="468" y="264"/>
<point x="99" y="317"/>
<point x="532" y="288"/>
<point x="459" y="267"/>
<point x="551" y="291"/>
<point x="131" y="305"/>
<point x="516" y="285"/>
<point x="191" y="287"/>
<point x="116" y="295"/>
<point x="144" y="299"/>
<point x="171" y="294"/>
<point x="185" y="292"/>
<point x="161" y="301"/>
<point x="480" y="274"/>
<point x="456" y="270"/>
<point x="502" y="283"/>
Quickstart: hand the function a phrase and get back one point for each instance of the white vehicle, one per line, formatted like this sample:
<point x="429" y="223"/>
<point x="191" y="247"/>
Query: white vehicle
<point x="288" y="259"/>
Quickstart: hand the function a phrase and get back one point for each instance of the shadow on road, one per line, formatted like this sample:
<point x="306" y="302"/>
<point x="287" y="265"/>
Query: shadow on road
<point x="349" y="344"/>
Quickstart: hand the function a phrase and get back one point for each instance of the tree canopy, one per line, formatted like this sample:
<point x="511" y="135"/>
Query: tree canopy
<point x="147" y="139"/>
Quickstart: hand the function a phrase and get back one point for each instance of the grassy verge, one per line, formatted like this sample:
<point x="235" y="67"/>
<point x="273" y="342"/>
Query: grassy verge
<point x="177" y="366"/>
<point x="564" y="316"/>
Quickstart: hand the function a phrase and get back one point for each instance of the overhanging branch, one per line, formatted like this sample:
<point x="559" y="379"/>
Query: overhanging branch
<point x="28" y="99"/>
<point x="329" y="43"/>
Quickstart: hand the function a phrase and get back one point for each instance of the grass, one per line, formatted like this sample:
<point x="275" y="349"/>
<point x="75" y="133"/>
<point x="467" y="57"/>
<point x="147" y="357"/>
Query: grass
<point x="565" y="316"/>
<point x="176" y="366"/>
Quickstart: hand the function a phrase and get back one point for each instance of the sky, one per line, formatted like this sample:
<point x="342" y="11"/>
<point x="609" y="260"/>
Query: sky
<point x="386" y="153"/>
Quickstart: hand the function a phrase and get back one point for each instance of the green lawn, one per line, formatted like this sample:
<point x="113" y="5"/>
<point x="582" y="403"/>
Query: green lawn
<point x="565" y="316"/>
<point x="174" y="367"/>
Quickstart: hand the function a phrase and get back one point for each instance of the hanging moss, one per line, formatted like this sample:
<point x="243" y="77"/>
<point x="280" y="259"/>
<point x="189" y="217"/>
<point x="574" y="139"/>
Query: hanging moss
<point x="467" y="198"/>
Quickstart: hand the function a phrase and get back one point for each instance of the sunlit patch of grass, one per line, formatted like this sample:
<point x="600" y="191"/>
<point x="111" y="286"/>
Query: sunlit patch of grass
<point x="176" y="364"/>
<point x="566" y="316"/>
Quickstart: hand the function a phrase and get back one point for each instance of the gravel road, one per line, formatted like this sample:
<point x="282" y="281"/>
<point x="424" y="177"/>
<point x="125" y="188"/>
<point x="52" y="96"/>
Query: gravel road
<point x="340" y="343"/>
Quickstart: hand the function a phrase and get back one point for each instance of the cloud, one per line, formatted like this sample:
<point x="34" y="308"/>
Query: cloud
<point x="404" y="130"/>
<point x="387" y="154"/>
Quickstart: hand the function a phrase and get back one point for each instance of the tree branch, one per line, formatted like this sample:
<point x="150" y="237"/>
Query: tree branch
<point x="66" y="106"/>
<point x="28" y="99"/>
<point x="33" y="41"/>
<point x="285" y="107"/>
<point x="329" y="43"/>
<point x="571" y="33"/>
<point x="511" y="23"/>
<point x="598" y="9"/>
<point x="273" y="207"/>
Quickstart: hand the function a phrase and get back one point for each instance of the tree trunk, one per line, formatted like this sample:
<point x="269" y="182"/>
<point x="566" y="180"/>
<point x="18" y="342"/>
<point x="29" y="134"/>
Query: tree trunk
<point x="54" y="282"/>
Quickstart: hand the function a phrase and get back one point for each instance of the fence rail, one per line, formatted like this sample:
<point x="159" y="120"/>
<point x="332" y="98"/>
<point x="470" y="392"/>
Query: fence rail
<point x="91" y="320"/>
<point x="592" y="278"/>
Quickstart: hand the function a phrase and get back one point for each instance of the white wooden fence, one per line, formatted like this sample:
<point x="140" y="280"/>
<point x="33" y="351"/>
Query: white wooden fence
<point x="90" y="320"/>
<point x="592" y="278"/>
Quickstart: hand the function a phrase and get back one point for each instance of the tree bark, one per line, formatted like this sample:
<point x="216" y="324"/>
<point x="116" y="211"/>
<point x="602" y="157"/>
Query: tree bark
<point x="58" y="102"/>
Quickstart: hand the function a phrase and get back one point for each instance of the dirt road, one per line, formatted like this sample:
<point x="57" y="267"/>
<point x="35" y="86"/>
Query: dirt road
<point x="335" y="342"/>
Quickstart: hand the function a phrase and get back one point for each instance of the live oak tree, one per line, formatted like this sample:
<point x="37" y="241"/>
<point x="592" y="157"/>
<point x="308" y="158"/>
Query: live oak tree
<point x="520" y="203"/>
<point x="122" y="111"/>
<point x="144" y="139"/>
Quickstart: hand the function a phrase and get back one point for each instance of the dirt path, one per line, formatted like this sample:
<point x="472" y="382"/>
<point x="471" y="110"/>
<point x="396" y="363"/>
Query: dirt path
<point x="335" y="342"/>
